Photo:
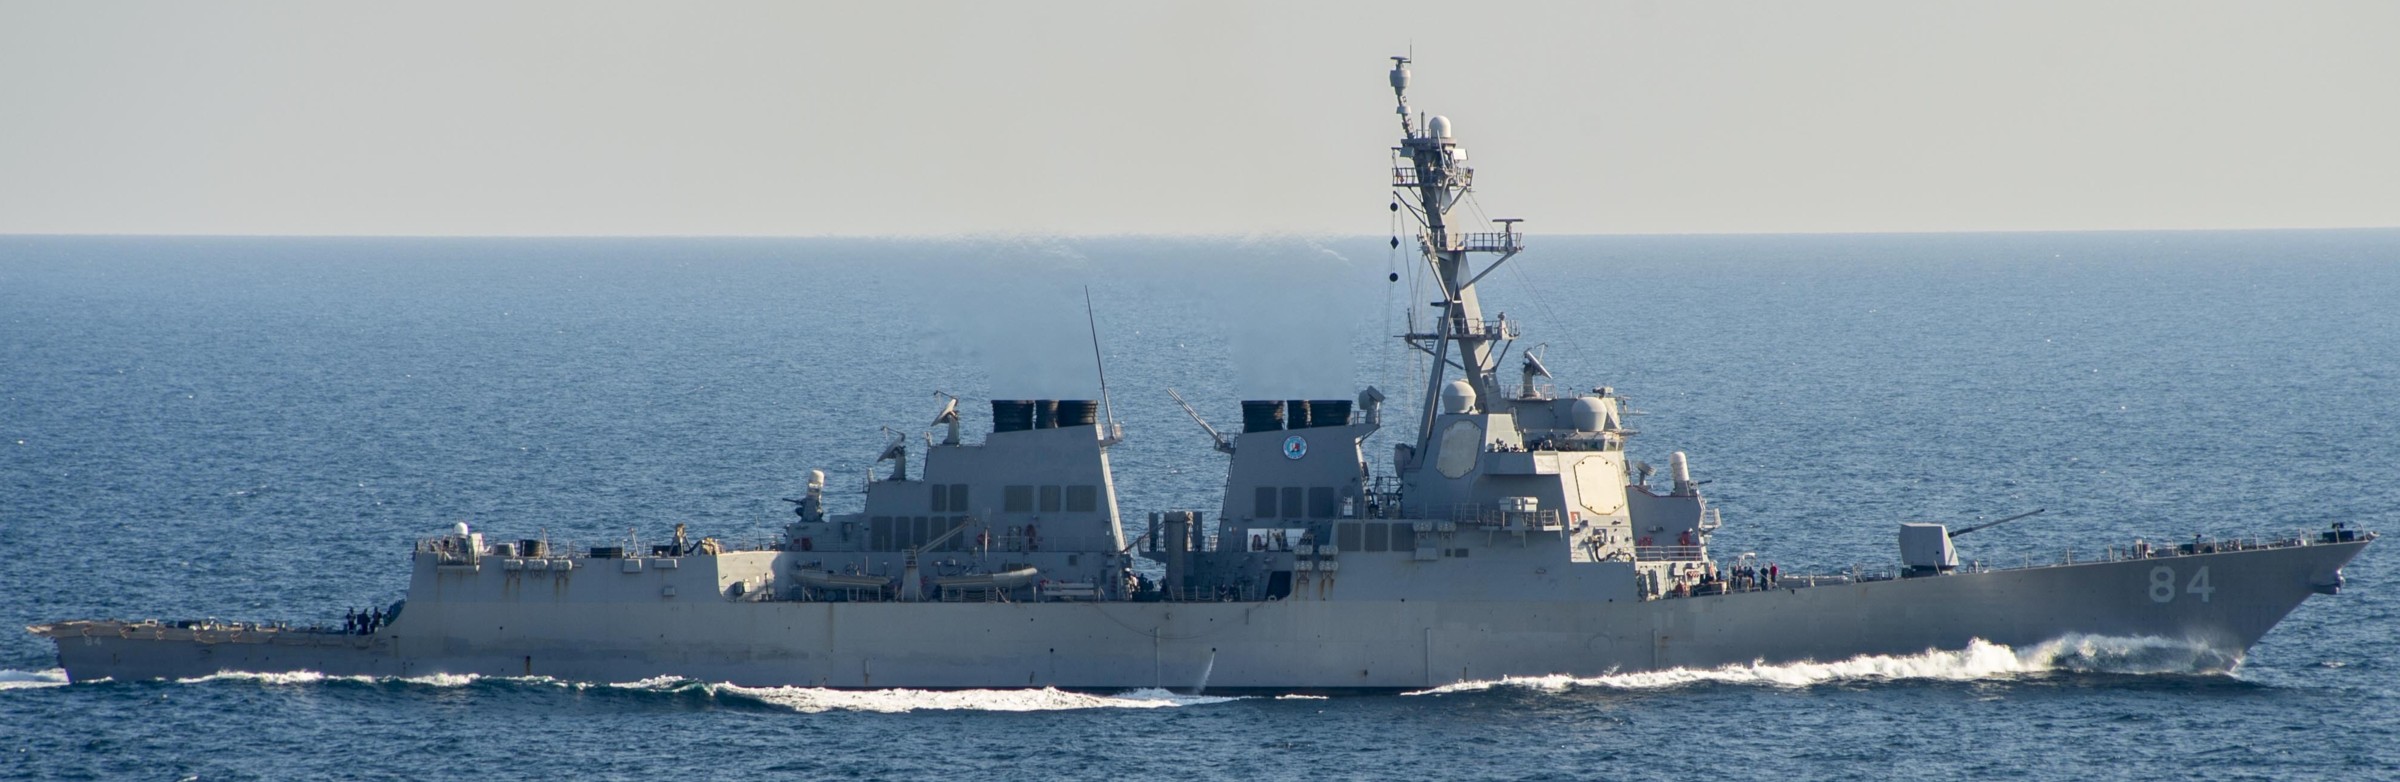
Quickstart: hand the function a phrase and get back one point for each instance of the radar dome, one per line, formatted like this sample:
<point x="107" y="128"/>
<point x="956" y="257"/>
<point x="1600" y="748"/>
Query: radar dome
<point x="1458" y="397"/>
<point x="1440" y="127"/>
<point x="1589" y="413"/>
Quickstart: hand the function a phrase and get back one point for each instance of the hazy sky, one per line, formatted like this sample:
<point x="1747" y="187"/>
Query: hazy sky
<point x="1189" y="118"/>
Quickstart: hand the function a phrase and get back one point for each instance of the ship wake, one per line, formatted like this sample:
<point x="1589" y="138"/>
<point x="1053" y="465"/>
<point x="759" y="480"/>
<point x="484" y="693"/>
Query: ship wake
<point x="12" y="679"/>
<point x="287" y="678"/>
<point x="807" y="700"/>
<point x="1980" y="660"/>
<point x="813" y="700"/>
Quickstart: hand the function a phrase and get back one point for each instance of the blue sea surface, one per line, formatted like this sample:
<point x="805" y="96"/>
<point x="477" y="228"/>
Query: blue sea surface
<point x="258" y="429"/>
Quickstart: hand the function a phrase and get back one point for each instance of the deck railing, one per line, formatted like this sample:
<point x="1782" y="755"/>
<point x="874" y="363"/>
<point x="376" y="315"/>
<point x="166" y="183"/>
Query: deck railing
<point x="1488" y="242"/>
<point x="1669" y="553"/>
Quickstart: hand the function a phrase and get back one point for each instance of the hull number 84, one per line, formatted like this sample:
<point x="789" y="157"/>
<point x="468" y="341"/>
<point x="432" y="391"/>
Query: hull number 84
<point x="2163" y="583"/>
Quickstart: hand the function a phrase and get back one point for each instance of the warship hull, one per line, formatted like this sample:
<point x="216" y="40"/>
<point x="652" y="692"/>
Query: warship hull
<point x="2223" y="602"/>
<point x="1512" y="535"/>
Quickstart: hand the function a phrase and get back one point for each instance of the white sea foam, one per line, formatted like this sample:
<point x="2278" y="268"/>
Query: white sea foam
<point x="11" y="679"/>
<point x="2146" y="655"/>
<point x="818" y="699"/>
<point x="284" y="678"/>
<point x="1980" y="660"/>
<point x="313" y="677"/>
<point x="655" y="683"/>
<point x="442" y="679"/>
<point x="800" y="699"/>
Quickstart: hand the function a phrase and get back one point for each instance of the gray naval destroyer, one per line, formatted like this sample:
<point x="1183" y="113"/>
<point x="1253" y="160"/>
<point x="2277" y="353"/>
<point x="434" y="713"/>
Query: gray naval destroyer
<point x="1510" y="537"/>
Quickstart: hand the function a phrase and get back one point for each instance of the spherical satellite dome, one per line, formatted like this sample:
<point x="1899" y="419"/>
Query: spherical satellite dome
<point x="1458" y="397"/>
<point x="1588" y="414"/>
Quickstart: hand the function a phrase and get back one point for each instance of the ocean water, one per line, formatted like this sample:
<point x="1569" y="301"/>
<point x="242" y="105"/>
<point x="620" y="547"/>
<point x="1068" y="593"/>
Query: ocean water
<point x="257" y="429"/>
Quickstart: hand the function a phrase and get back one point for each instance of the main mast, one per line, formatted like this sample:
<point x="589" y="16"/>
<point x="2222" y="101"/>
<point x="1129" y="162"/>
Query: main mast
<point x="1430" y="167"/>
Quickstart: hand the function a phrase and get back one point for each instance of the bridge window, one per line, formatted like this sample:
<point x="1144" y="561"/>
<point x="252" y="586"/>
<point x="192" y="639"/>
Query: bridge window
<point x="1379" y="537"/>
<point x="1049" y="499"/>
<point x="1347" y="537"/>
<point x="1083" y="499"/>
<point x="1262" y="503"/>
<point x="1293" y="496"/>
<point x="1404" y="537"/>
<point x="949" y="498"/>
<point x="879" y="533"/>
<point x="1322" y="504"/>
<point x="1016" y="499"/>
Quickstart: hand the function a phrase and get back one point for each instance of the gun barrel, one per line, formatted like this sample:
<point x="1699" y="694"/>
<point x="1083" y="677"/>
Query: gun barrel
<point x="1988" y="524"/>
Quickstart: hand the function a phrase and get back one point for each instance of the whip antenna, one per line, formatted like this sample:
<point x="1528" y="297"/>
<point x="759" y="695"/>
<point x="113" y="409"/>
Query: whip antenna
<point x="1101" y="366"/>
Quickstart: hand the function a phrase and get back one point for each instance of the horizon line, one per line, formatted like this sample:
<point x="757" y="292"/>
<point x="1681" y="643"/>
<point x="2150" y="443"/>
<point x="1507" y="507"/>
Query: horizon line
<point x="985" y="235"/>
